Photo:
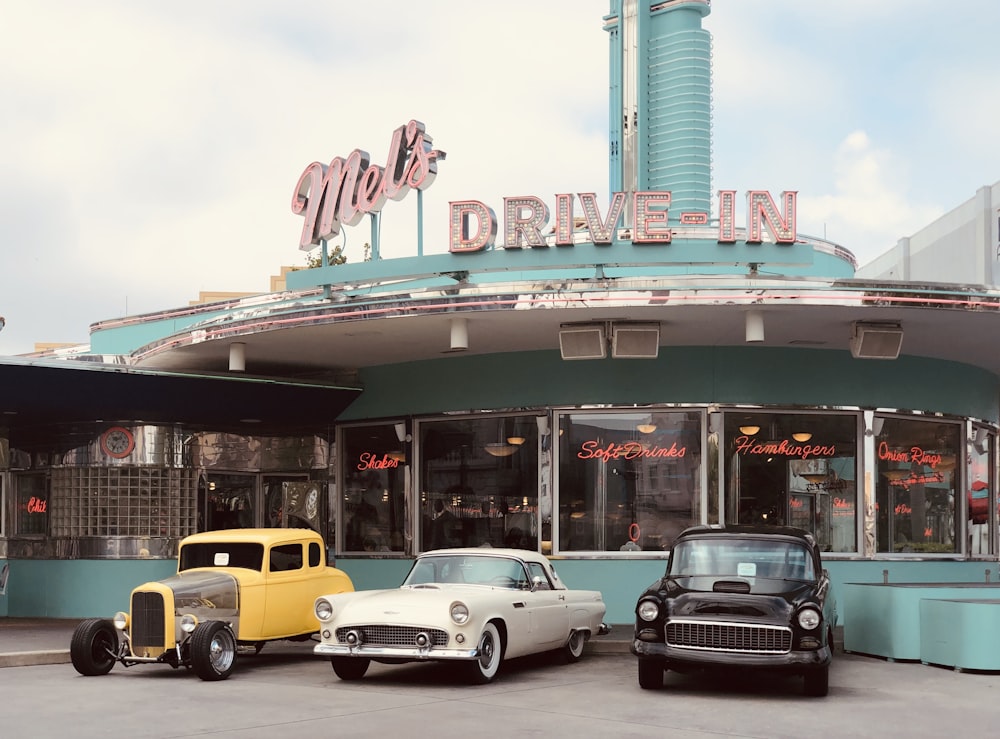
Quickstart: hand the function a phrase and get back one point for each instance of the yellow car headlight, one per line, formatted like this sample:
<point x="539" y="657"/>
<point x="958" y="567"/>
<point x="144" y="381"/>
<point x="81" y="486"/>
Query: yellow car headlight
<point x="120" y="620"/>
<point x="189" y="623"/>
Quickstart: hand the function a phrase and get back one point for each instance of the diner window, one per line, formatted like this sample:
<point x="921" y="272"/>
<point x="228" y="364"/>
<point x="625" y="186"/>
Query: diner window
<point x="32" y="504"/>
<point x="980" y="494"/>
<point x="628" y="481"/>
<point x="916" y="485"/>
<point x="795" y="469"/>
<point x="479" y="482"/>
<point x="374" y="492"/>
<point x="228" y="501"/>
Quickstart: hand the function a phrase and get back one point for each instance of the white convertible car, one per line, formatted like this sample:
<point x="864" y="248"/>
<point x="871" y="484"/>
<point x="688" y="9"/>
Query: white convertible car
<point x="479" y="606"/>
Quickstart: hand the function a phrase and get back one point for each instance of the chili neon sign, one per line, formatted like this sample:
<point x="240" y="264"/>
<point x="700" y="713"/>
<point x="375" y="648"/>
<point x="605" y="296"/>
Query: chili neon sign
<point x="37" y="505"/>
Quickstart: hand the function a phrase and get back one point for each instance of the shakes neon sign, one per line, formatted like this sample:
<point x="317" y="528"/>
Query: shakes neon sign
<point x="343" y="192"/>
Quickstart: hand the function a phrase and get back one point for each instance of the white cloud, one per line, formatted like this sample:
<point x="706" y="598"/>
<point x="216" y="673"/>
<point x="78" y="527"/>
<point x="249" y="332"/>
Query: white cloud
<point x="152" y="148"/>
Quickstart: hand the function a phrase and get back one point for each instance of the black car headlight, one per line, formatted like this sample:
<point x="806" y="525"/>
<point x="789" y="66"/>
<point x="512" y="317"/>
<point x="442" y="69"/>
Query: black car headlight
<point x="648" y="610"/>
<point x="809" y="618"/>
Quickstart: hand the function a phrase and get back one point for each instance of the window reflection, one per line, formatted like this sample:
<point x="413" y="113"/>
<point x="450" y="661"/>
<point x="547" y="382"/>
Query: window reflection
<point x="795" y="469"/>
<point x="628" y="481"/>
<point x="374" y="502"/>
<point x="479" y="482"/>
<point x="915" y="486"/>
<point x="978" y="494"/>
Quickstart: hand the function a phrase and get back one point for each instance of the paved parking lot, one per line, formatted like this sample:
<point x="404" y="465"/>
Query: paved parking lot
<point x="286" y="690"/>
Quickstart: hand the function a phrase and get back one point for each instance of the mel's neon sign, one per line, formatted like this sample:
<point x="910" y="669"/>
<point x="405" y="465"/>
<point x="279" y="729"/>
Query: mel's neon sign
<point x="343" y="192"/>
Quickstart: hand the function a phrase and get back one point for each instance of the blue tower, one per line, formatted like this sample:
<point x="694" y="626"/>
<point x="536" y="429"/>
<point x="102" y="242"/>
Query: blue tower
<point x="661" y="101"/>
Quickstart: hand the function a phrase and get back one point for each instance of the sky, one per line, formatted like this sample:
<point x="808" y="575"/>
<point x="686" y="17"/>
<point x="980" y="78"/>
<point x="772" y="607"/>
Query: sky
<point x="149" y="150"/>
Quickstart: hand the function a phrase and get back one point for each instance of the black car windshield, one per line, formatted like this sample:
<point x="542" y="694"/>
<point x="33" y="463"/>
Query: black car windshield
<point x="741" y="558"/>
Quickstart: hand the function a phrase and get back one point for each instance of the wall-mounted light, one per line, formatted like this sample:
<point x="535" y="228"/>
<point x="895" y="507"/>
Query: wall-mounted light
<point x="459" y="334"/>
<point x="749" y="430"/>
<point x="802" y="436"/>
<point x="754" y="327"/>
<point x="543" y="425"/>
<point x="401" y="432"/>
<point x="237" y="356"/>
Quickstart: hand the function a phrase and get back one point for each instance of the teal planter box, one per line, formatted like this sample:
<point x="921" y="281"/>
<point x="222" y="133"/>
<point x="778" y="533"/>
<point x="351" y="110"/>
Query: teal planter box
<point x="960" y="633"/>
<point x="884" y="619"/>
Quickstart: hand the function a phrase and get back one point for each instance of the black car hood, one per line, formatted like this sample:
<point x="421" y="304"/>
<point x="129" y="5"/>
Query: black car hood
<point x="773" y="599"/>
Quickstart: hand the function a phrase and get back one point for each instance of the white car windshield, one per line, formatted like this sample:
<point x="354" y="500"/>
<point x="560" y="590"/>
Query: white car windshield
<point x="741" y="558"/>
<point x="501" y="572"/>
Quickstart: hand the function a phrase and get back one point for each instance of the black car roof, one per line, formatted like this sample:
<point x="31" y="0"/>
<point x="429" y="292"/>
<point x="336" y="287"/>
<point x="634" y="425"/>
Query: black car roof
<point x="747" y="530"/>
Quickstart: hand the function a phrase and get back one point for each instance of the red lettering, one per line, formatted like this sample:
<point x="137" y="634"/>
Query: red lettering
<point x="629" y="450"/>
<point x="368" y="461"/>
<point x="747" y="445"/>
<point x="37" y="505"/>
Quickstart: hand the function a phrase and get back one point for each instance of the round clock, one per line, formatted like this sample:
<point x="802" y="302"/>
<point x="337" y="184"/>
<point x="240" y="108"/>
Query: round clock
<point x="117" y="442"/>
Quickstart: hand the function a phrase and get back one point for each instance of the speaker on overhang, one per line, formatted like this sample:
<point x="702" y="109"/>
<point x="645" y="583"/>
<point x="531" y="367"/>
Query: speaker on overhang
<point x="635" y="340"/>
<point x="876" y="340"/>
<point x="585" y="341"/>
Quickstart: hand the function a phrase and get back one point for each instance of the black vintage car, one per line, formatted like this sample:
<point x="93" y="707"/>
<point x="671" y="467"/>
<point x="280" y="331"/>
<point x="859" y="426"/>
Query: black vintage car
<point x="738" y="597"/>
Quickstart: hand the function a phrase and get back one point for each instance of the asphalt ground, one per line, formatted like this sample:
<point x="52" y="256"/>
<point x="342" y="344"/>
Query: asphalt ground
<point x="287" y="690"/>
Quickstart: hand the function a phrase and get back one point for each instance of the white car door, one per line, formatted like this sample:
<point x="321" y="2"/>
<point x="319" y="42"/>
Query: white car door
<point x="548" y="609"/>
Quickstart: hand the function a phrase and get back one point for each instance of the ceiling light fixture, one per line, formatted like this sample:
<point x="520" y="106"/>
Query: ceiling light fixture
<point x="749" y="430"/>
<point x="802" y="436"/>
<point x="646" y="428"/>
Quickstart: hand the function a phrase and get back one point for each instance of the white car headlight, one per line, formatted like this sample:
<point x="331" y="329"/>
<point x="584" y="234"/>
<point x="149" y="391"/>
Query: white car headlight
<point x="120" y="620"/>
<point x="809" y="618"/>
<point x="459" y="613"/>
<point x="324" y="609"/>
<point x="648" y="610"/>
<point x="188" y="623"/>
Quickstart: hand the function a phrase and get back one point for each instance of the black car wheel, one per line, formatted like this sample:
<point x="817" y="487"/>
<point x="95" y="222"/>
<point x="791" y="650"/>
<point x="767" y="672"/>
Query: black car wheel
<point x="485" y="668"/>
<point x="817" y="682"/>
<point x="213" y="651"/>
<point x="94" y="646"/>
<point x="350" y="668"/>
<point x="650" y="673"/>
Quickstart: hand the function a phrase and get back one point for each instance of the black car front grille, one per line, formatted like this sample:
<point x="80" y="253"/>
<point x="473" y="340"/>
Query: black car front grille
<point x="147" y="620"/>
<point x="723" y="636"/>
<point x="393" y="636"/>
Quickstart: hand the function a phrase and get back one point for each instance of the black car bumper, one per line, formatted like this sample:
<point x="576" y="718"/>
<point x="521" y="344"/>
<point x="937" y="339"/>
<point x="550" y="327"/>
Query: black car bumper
<point x="795" y="661"/>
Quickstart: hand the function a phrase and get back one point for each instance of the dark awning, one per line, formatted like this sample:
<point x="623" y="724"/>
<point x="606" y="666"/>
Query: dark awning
<point x="40" y="400"/>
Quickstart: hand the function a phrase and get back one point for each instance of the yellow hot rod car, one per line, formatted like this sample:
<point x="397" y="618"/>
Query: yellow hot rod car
<point x="236" y="588"/>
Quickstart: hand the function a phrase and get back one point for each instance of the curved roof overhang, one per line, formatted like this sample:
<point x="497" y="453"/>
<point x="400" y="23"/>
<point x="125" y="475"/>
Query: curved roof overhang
<point x="43" y="400"/>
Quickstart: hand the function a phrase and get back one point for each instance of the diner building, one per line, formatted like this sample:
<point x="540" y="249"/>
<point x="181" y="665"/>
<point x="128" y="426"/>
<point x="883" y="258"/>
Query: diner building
<point x="574" y="376"/>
